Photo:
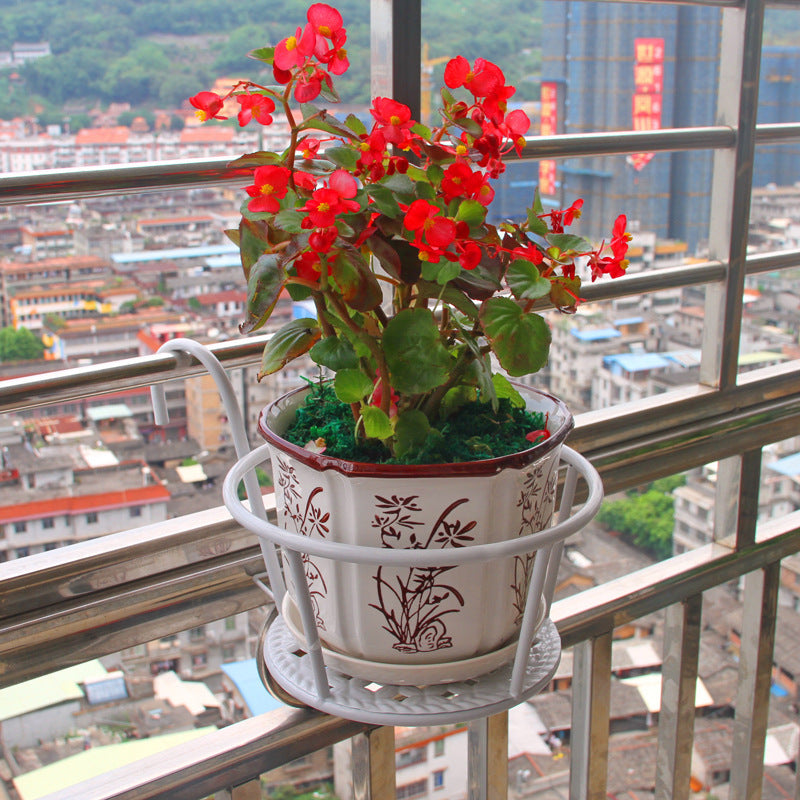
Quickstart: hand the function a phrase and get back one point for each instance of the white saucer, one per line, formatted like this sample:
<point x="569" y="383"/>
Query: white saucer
<point x="385" y="672"/>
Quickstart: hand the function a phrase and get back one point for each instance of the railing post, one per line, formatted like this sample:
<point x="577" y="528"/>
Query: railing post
<point x="591" y="695"/>
<point x="487" y="758"/>
<point x="374" y="765"/>
<point x="678" y="689"/>
<point x="755" y="679"/>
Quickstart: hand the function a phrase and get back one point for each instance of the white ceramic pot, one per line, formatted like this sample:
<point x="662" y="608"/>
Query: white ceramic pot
<point x="413" y="616"/>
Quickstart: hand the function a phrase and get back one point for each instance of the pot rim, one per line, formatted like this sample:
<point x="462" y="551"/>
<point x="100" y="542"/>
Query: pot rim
<point x="488" y="466"/>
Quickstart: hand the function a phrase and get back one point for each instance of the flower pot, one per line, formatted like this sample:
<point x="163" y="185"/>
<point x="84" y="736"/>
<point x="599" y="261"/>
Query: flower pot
<point x="379" y="619"/>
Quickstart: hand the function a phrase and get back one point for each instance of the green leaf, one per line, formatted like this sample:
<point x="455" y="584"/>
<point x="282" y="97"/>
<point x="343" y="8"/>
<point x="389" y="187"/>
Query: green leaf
<point x="356" y="282"/>
<point x="385" y="201"/>
<point x="344" y="157"/>
<point x="538" y="208"/>
<point x="455" y="398"/>
<point x="424" y="191"/>
<point x="525" y="280"/>
<point x="417" y="359"/>
<point x="351" y="385"/>
<point x="294" y="339"/>
<point x="265" y="54"/>
<point x="416" y="173"/>
<point x="504" y="388"/>
<point x="410" y="432"/>
<point x="321" y="120"/>
<point x="252" y="160"/>
<point x="536" y="225"/>
<point x="264" y="284"/>
<point x="422" y="130"/>
<point x="289" y="220"/>
<point x="434" y="174"/>
<point x="471" y="212"/>
<point x="252" y="243"/>
<point x="355" y="125"/>
<point x="399" y="184"/>
<point x="334" y="353"/>
<point x="450" y="295"/>
<point x="568" y="241"/>
<point x="442" y="273"/>
<point x="520" y="341"/>
<point x="564" y="292"/>
<point x="376" y="424"/>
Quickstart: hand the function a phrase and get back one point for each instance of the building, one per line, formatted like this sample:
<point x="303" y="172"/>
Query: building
<point x="46" y="501"/>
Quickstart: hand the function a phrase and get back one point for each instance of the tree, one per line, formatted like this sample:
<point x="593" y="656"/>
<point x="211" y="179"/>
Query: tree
<point x="19" y="345"/>
<point x="646" y="518"/>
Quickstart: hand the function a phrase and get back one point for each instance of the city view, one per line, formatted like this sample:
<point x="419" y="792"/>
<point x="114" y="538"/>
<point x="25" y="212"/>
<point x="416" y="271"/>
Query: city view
<point x="102" y="278"/>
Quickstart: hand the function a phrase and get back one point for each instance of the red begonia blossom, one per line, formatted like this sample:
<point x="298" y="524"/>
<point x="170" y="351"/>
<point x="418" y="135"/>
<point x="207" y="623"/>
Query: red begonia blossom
<point x="327" y="202"/>
<point x="426" y="220"/>
<point x="208" y="105"/>
<point x="255" y="105"/>
<point x="393" y="118"/>
<point x="482" y="80"/>
<point x="270" y="184"/>
<point x="294" y="50"/>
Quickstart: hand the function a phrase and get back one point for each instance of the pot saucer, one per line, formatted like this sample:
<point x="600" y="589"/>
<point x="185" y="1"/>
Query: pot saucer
<point x="385" y="672"/>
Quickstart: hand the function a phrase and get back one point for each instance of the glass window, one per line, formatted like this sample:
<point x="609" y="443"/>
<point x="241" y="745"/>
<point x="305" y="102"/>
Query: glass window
<point x="20" y="527"/>
<point x="48" y="522"/>
<point x="438" y="747"/>
<point x="91" y="517"/>
<point x="438" y="779"/>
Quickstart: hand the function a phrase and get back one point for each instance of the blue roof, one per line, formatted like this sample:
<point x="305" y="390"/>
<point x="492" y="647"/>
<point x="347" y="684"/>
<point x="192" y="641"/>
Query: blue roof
<point x="220" y="262"/>
<point x="629" y="321"/>
<point x="177" y="252"/>
<point x="595" y="334"/>
<point x="790" y="465"/>
<point x="636" y="362"/>
<point x="245" y="675"/>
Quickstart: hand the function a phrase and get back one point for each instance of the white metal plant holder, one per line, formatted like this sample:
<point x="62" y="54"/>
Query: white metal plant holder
<point x="293" y="656"/>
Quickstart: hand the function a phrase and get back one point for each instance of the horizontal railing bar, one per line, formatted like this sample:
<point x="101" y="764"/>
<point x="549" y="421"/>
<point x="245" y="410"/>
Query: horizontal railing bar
<point x="41" y="186"/>
<point x="68" y="184"/>
<point x="35" y="391"/>
<point x="769" y="262"/>
<point x="47" y="185"/>
<point x="219" y="761"/>
<point x="605" y="143"/>
<point x="657" y="586"/>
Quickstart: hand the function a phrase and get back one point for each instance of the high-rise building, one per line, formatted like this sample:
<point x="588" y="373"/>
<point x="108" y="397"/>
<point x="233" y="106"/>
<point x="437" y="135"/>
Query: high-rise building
<point x="610" y="67"/>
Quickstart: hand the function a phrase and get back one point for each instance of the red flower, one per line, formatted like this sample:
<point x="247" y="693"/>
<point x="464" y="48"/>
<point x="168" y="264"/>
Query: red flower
<point x="483" y="80"/>
<point x="309" y="84"/>
<point x="393" y="118"/>
<point x="270" y="183"/>
<point x="469" y="254"/>
<point x="308" y="266"/>
<point x="208" y="105"/>
<point x="321" y="240"/>
<point x="425" y="219"/>
<point x="294" y="50"/>
<point x="329" y="201"/>
<point x="325" y="19"/>
<point x="255" y="105"/>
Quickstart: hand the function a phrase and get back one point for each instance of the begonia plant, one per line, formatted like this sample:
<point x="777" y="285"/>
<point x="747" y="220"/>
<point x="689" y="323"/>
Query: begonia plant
<point x="384" y="226"/>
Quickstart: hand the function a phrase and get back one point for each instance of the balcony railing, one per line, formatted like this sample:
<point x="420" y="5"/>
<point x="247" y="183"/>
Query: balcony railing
<point x="102" y="596"/>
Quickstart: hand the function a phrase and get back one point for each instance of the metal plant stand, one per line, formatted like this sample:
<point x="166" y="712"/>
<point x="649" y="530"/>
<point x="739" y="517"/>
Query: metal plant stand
<point x="292" y="659"/>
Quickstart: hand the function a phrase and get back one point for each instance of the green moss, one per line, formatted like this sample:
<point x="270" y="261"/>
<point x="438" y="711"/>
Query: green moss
<point x="472" y="433"/>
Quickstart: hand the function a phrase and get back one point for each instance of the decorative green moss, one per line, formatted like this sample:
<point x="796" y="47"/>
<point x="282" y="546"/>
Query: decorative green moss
<point x="472" y="433"/>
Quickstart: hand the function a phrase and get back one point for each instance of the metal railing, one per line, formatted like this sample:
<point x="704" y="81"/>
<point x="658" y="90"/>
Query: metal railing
<point x="64" y="607"/>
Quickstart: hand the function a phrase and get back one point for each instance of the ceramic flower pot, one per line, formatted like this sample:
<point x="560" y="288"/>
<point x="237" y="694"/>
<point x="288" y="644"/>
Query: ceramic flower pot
<point x="386" y="616"/>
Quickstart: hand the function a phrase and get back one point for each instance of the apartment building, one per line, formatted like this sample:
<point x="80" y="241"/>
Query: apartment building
<point x="46" y="501"/>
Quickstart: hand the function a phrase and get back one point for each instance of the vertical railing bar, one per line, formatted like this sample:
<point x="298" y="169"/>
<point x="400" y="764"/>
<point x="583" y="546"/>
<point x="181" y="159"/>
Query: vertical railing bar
<point x="591" y="695"/>
<point x="396" y="51"/>
<point x="755" y="679"/>
<point x="749" y="486"/>
<point x="487" y="758"/>
<point x="374" y="765"/>
<point x="678" y="690"/>
<point x="247" y="791"/>
<point x="737" y="100"/>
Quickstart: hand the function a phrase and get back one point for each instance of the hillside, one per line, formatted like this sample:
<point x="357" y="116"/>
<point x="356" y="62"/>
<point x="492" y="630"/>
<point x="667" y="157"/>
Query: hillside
<point x="155" y="53"/>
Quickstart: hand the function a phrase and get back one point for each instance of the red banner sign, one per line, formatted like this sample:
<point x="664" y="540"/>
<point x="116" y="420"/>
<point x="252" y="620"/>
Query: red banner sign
<point x="648" y="78"/>
<point x="549" y="127"/>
